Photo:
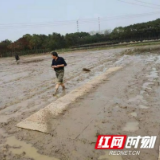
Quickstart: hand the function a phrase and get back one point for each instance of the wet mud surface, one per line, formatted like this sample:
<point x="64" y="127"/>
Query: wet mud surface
<point x="127" y="103"/>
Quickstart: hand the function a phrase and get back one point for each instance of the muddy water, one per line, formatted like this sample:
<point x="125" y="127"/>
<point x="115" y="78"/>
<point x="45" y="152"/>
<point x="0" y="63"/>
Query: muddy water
<point x="134" y="114"/>
<point x="31" y="85"/>
<point x="131" y="126"/>
<point x="20" y="147"/>
<point x="127" y="103"/>
<point x="143" y="107"/>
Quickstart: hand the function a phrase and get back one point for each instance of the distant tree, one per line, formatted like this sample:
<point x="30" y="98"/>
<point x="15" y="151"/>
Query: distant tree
<point x="107" y="32"/>
<point x="35" y="42"/>
<point x="93" y="32"/>
<point x="55" y="41"/>
<point x="4" y="45"/>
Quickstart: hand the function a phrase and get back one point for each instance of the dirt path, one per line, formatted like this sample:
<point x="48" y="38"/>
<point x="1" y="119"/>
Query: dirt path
<point x="126" y="103"/>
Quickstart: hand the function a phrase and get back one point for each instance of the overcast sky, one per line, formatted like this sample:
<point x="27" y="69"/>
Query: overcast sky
<point x="19" y="17"/>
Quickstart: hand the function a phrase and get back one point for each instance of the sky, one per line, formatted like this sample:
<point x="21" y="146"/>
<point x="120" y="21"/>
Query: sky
<point x="20" y="17"/>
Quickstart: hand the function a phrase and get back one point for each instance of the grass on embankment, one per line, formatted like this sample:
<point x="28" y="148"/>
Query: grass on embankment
<point x="138" y="44"/>
<point x="142" y="50"/>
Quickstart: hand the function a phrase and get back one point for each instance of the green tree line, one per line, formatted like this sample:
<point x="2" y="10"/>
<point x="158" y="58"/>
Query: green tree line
<point x="29" y="44"/>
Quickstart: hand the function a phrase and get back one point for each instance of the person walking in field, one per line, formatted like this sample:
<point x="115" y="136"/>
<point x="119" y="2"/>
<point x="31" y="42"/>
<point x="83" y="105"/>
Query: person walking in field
<point x="58" y="64"/>
<point x="17" y="58"/>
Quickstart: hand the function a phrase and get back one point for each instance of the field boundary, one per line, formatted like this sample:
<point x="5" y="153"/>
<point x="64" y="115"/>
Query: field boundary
<point x="40" y="121"/>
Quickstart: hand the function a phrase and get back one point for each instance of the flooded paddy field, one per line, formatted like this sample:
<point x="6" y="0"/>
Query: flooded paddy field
<point x="127" y="103"/>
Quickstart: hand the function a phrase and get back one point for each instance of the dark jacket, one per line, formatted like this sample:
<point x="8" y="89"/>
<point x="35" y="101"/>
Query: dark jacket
<point x="59" y="61"/>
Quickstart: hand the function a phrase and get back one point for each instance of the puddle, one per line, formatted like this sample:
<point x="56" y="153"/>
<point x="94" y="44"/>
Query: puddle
<point x="145" y="85"/>
<point x="138" y="99"/>
<point x="131" y="126"/>
<point x="151" y="59"/>
<point x="119" y="61"/>
<point x="142" y="92"/>
<point x="143" y="107"/>
<point x="30" y="151"/>
<point x="109" y="157"/>
<point x="158" y="60"/>
<point x="153" y="74"/>
<point x="133" y="114"/>
<point x="151" y="79"/>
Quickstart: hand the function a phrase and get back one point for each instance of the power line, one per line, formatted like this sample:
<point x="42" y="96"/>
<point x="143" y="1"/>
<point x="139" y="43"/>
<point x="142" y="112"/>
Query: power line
<point x="147" y="3"/>
<point x="69" y="21"/>
<point x="62" y="23"/>
<point x="117" y="19"/>
<point x="122" y="16"/>
<point x="138" y="4"/>
<point x="35" y="26"/>
<point x="38" y="23"/>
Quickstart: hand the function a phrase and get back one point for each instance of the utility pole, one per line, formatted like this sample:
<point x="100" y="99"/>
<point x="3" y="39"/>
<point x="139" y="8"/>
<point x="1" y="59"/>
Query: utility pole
<point x="77" y="26"/>
<point x="159" y="153"/>
<point x="99" y="24"/>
